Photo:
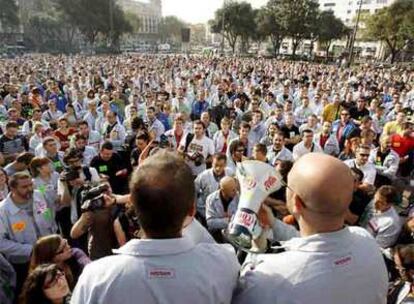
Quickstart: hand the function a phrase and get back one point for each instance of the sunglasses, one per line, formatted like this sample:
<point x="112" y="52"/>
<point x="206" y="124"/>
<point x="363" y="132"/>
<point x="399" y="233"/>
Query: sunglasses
<point x="62" y="247"/>
<point x="55" y="278"/>
<point x="364" y="155"/>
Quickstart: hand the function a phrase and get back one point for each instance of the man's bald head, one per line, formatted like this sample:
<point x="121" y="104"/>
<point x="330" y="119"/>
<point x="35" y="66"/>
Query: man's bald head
<point x="228" y="186"/>
<point x="323" y="184"/>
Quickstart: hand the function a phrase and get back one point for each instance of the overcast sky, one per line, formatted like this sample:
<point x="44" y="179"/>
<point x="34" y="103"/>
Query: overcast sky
<point x="197" y="11"/>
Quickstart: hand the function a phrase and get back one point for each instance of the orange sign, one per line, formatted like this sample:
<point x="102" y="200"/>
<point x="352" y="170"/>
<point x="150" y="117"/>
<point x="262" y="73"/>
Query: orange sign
<point x="19" y="226"/>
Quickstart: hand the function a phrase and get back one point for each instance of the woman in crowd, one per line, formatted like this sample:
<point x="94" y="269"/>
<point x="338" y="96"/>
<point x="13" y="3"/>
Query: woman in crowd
<point x="45" y="179"/>
<point x="46" y="284"/>
<point x="350" y="146"/>
<point x="63" y="133"/>
<point x="70" y="116"/>
<point x="55" y="249"/>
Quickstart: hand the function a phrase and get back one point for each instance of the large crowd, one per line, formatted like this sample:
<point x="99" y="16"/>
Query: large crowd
<point x="82" y="153"/>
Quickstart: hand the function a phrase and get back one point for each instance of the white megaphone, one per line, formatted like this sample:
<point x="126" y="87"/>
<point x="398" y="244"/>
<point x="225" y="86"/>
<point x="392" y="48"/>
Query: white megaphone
<point x="257" y="180"/>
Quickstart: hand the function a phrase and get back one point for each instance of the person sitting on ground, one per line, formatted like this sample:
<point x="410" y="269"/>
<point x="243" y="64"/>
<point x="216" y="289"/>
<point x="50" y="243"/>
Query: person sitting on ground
<point x="55" y="249"/>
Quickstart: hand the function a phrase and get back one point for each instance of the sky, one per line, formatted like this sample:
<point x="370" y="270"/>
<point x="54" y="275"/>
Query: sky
<point x="197" y="11"/>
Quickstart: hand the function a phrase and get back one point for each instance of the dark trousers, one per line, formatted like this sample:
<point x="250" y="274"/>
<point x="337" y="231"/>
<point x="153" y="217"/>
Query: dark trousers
<point x="21" y="274"/>
<point x="64" y="222"/>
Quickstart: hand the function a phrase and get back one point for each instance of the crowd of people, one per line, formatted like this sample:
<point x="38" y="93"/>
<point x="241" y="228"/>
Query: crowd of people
<point x="118" y="177"/>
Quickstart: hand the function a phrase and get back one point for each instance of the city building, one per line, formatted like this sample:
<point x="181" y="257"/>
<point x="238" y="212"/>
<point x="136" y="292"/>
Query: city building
<point x="149" y="13"/>
<point x="347" y="11"/>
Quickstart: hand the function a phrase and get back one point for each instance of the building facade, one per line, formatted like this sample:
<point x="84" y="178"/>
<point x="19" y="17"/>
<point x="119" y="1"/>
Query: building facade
<point x="347" y="11"/>
<point x="149" y="13"/>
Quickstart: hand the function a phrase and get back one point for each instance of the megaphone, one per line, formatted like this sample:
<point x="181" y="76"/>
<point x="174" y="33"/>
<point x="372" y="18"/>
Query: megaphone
<point x="257" y="180"/>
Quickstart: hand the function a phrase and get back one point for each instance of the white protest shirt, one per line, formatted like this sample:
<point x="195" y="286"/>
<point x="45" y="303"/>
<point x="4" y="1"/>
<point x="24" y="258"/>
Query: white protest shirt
<point x="203" y="146"/>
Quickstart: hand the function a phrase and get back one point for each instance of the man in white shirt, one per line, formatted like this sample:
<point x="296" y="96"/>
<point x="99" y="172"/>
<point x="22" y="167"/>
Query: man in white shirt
<point x="278" y="152"/>
<point x="155" y="127"/>
<point x="361" y="162"/>
<point x="325" y="262"/>
<point x="197" y="150"/>
<point x="307" y="145"/>
<point x="208" y="181"/>
<point x="326" y="140"/>
<point x="385" y="225"/>
<point x="164" y="266"/>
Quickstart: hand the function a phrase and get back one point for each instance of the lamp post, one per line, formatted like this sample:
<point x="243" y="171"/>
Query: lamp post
<point x="222" y="27"/>
<point x="111" y="23"/>
<point x="351" y="47"/>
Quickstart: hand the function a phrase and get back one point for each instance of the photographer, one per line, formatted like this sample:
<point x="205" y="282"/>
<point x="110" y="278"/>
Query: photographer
<point x="72" y="179"/>
<point x="110" y="166"/>
<point x="197" y="148"/>
<point x="97" y="208"/>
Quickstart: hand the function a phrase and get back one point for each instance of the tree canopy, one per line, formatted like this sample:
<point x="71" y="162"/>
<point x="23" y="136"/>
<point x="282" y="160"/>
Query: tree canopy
<point x="9" y="18"/>
<point x="394" y="25"/>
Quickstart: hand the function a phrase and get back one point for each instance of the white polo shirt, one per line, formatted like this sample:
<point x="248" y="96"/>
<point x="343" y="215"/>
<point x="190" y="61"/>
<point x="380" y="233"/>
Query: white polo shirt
<point x="167" y="271"/>
<point x="341" y="267"/>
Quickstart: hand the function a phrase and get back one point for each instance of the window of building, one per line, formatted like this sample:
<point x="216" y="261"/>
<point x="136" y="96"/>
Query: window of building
<point x="329" y="4"/>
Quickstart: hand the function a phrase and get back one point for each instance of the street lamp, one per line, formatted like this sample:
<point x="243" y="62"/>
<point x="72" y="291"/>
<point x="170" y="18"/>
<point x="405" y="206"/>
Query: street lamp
<point x="111" y="23"/>
<point x="222" y="26"/>
<point x="351" y="47"/>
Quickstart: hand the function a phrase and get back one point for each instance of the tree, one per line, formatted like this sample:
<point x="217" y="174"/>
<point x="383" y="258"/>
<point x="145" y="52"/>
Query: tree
<point x="48" y="28"/>
<point x="170" y="28"/>
<point x="298" y="17"/>
<point x="330" y="28"/>
<point x="393" y="25"/>
<point x="133" y="20"/>
<point x="92" y="22"/>
<point x="268" y="24"/>
<point x="238" y="21"/>
<point x="9" y="18"/>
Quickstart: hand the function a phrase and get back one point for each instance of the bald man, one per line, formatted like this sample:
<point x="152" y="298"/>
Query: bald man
<point x="221" y="205"/>
<point x="325" y="262"/>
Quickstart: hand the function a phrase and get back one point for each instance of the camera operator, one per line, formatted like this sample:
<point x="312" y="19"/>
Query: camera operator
<point x="68" y="189"/>
<point x="165" y="266"/>
<point x="97" y="220"/>
<point x="197" y="148"/>
<point x="325" y="262"/>
<point x="111" y="167"/>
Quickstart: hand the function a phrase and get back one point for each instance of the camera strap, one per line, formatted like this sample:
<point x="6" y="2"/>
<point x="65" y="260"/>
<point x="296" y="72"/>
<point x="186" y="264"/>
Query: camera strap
<point x="87" y="173"/>
<point x="188" y="140"/>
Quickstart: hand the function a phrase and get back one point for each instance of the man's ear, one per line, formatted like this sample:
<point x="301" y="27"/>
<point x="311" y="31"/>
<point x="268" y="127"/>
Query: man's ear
<point x="298" y="205"/>
<point x="193" y="209"/>
<point x="190" y="215"/>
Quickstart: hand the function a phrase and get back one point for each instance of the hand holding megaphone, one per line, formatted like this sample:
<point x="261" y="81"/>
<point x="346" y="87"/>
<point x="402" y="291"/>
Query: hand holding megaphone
<point x="257" y="180"/>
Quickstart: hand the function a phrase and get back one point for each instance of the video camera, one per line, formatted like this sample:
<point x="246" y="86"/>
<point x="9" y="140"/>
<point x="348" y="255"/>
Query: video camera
<point x="92" y="197"/>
